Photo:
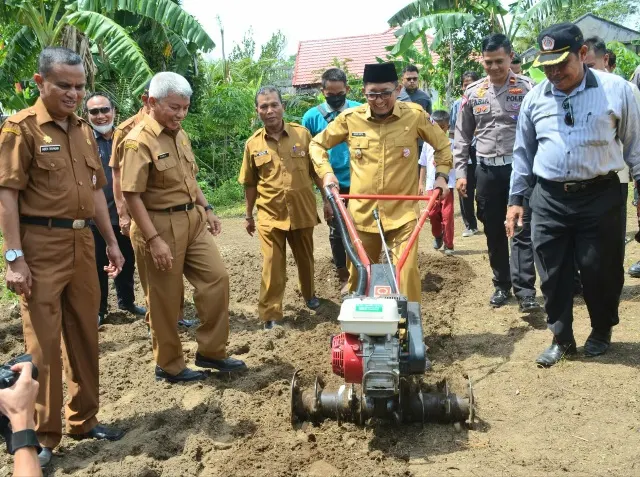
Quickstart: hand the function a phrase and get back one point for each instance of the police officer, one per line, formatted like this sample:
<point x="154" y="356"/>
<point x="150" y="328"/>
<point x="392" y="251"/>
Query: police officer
<point x="116" y="156"/>
<point x="335" y="89"/>
<point x="566" y="157"/>
<point x="277" y="176"/>
<point x="169" y="234"/>
<point x="382" y="137"/>
<point x="50" y="186"/>
<point x="100" y="113"/>
<point x="489" y="110"/>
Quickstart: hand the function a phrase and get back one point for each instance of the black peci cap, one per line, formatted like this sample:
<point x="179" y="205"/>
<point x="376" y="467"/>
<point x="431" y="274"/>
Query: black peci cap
<point x="556" y="42"/>
<point x="380" y="73"/>
<point x="517" y="59"/>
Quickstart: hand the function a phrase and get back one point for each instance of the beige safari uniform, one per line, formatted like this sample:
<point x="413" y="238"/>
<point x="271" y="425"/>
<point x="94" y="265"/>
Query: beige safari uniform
<point x="56" y="173"/>
<point x="384" y="154"/>
<point x="159" y="164"/>
<point x="491" y="116"/>
<point x="282" y="173"/>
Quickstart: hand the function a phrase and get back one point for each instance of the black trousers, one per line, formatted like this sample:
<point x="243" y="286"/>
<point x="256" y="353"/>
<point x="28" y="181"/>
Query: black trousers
<point x="492" y="193"/>
<point x="467" y="204"/>
<point x="124" y="281"/>
<point x="335" y="239"/>
<point x="582" y="228"/>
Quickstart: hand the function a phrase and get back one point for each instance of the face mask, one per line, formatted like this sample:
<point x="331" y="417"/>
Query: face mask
<point x="336" y="102"/>
<point x="103" y="129"/>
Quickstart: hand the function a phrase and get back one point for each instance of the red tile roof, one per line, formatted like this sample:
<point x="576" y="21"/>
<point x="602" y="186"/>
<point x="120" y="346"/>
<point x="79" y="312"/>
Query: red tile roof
<point x="314" y="56"/>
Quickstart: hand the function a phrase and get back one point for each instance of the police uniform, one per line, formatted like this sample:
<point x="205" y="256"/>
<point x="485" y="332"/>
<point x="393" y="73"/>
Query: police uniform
<point x="566" y="154"/>
<point x="159" y="164"/>
<point x="491" y="114"/>
<point x="282" y="173"/>
<point x="383" y="158"/>
<point x="56" y="173"/>
<point x="116" y="157"/>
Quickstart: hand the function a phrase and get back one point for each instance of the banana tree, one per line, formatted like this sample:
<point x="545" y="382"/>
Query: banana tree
<point x="52" y="22"/>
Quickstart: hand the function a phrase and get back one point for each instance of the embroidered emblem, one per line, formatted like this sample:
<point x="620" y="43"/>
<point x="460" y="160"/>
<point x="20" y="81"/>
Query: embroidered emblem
<point x="358" y="154"/>
<point x="131" y="145"/>
<point x="89" y="142"/>
<point x="481" y="109"/>
<point x="516" y="91"/>
<point x="47" y="139"/>
<point x="406" y="152"/>
<point x="512" y="80"/>
<point x="94" y="179"/>
<point x="547" y="43"/>
<point x="11" y="130"/>
<point x="481" y="92"/>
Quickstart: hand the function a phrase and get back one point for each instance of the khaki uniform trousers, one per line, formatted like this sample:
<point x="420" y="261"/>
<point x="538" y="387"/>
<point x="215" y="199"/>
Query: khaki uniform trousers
<point x="195" y="256"/>
<point x="397" y="240"/>
<point x="64" y="302"/>
<point x="274" y="267"/>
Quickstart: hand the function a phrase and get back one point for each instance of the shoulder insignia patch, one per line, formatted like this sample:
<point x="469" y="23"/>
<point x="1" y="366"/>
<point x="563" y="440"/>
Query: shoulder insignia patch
<point x="131" y="145"/>
<point x="12" y="129"/>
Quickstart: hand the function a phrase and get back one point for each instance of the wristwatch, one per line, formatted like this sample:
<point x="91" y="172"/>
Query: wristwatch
<point x="25" y="438"/>
<point x="12" y="255"/>
<point x="208" y="207"/>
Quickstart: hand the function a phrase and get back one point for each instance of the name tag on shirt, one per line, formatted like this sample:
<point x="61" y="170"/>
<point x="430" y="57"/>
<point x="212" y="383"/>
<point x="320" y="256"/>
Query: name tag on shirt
<point x="51" y="148"/>
<point x="164" y="155"/>
<point x="358" y="134"/>
<point x="261" y="153"/>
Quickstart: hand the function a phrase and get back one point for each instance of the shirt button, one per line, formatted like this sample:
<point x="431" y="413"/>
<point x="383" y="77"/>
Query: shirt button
<point x="79" y="183"/>
<point x="53" y="164"/>
<point x="75" y="160"/>
<point x="82" y="207"/>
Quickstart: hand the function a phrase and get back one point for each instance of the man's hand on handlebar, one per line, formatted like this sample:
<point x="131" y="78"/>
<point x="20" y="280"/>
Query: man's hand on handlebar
<point x="329" y="178"/>
<point x="441" y="183"/>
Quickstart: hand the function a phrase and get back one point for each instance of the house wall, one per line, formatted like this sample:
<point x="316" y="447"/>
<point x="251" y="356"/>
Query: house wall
<point x="593" y="27"/>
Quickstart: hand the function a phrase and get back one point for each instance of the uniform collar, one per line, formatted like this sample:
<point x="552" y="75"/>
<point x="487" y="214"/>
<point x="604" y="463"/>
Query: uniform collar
<point x="43" y="116"/>
<point x="286" y="130"/>
<point x="397" y="112"/>
<point x="511" y="81"/>
<point x="589" y="80"/>
<point x="156" y="127"/>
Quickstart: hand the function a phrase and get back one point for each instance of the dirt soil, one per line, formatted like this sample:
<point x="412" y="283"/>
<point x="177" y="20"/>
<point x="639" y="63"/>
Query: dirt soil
<point x="579" y="418"/>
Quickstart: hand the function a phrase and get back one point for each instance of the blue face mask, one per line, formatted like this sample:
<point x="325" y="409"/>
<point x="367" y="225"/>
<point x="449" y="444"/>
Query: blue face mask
<point x="336" y="101"/>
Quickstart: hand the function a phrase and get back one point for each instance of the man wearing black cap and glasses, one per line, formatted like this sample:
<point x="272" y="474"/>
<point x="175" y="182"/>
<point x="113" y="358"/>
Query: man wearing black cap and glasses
<point x="382" y="138"/>
<point x="566" y="156"/>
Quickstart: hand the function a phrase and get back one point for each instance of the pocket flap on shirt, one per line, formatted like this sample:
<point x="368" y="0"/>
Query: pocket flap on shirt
<point x="262" y="160"/>
<point x="50" y="163"/>
<point x="404" y="142"/>
<point x="165" y="163"/>
<point x="359" y="143"/>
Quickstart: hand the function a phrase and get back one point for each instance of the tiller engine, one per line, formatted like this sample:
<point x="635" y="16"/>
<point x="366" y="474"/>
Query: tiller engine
<point x="381" y="346"/>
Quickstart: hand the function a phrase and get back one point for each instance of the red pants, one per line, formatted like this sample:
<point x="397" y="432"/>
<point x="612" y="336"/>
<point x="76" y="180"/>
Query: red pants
<point x="441" y="218"/>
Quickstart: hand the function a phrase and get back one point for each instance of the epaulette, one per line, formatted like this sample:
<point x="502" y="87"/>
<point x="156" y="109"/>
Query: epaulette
<point x="135" y="132"/>
<point x="296" y="125"/>
<point x="21" y="115"/>
<point x="526" y="79"/>
<point x="126" y="123"/>
<point x="474" y="84"/>
<point x="257" y="133"/>
<point x="409" y="105"/>
<point x="356" y="109"/>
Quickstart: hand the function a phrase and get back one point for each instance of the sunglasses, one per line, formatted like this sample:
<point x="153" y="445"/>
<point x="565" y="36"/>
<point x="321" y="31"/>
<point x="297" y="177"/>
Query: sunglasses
<point x="96" y="111"/>
<point x="568" y="116"/>
<point x="382" y="95"/>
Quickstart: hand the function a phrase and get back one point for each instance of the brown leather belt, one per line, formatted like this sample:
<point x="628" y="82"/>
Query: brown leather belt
<point x="75" y="224"/>
<point x="580" y="186"/>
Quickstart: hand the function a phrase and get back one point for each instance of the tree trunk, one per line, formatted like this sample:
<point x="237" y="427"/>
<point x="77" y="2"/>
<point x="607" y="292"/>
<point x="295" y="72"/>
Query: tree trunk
<point x="451" y="80"/>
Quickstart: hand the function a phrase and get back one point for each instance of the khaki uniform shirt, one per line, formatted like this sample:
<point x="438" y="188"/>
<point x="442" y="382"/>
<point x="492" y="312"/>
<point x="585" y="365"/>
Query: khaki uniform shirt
<point x="118" y="137"/>
<point x="282" y="173"/>
<point x="491" y="115"/>
<point x="159" y="164"/>
<point x="56" y="171"/>
<point x="384" y="154"/>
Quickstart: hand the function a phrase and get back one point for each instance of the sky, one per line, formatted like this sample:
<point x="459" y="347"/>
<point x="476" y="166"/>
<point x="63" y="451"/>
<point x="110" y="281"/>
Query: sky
<point x="298" y="20"/>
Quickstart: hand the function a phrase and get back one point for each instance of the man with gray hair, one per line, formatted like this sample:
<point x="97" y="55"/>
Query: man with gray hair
<point x="51" y="184"/>
<point x="169" y="234"/>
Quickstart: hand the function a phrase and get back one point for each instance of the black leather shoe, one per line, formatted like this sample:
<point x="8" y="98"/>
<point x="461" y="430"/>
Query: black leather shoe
<point x="598" y="342"/>
<point x="437" y="242"/>
<point x="528" y="304"/>
<point x="634" y="270"/>
<point x="555" y="353"/>
<point x="187" y="323"/>
<point x="499" y="298"/>
<point x="134" y="309"/>
<point x="268" y="325"/>
<point x="101" y="432"/>
<point x="227" y="365"/>
<point x="185" y="376"/>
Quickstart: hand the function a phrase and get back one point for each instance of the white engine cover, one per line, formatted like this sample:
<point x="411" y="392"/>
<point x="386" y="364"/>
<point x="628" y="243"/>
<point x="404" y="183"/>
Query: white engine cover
<point x="369" y="316"/>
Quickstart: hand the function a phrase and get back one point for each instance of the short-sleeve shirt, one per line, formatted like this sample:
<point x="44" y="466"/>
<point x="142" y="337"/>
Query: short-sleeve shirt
<point x="282" y="172"/>
<point x="56" y="171"/>
<point x="119" y="134"/>
<point x="159" y="164"/>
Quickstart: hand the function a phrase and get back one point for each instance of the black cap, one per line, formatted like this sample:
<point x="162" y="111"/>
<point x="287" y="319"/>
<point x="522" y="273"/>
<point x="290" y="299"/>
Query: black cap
<point x="517" y="59"/>
<point x="556" y="42"/>
<point x="380" y="73"/>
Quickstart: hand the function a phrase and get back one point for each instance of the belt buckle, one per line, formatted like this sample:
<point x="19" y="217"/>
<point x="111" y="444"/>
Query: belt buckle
<point x="78" y="224"/>
<point x="568" y="186"/>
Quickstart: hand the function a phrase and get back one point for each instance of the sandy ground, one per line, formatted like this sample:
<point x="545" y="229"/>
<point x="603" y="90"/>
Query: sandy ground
<point x="580" y="418"/>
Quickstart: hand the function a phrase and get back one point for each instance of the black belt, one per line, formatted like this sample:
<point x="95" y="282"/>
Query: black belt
<point x="57" y="223"/>
<point x="177" y="208"/>
<point x="579" y="186"/>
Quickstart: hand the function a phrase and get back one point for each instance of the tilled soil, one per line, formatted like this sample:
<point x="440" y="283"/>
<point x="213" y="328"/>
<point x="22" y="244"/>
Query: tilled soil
<point x="581" y="417"/>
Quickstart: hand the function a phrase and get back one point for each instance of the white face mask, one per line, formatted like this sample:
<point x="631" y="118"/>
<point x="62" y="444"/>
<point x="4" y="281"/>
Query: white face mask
<point x="102" y="129"/>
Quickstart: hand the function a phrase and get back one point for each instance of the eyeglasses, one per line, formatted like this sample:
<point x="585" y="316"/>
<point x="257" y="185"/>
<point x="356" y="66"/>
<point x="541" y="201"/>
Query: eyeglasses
<point x="568" y="116"/>
<point x="412" y="78"/>
<point x="381" y="95"/>
<point x="96" y="111"/>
